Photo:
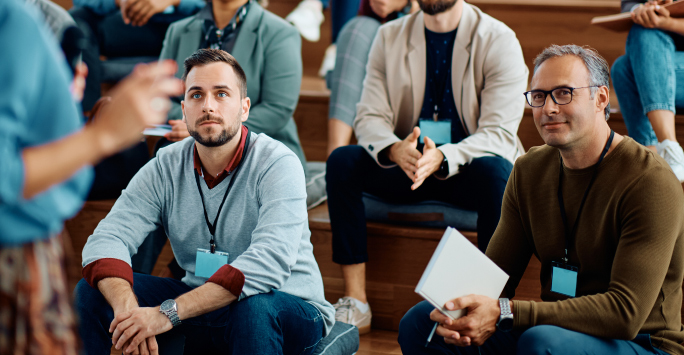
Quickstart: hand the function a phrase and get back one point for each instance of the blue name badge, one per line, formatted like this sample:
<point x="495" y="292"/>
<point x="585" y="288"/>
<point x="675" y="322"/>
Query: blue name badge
<point x="564" y="279"/>
<point x="438" y="131"/>
<point x="207" y="263"/>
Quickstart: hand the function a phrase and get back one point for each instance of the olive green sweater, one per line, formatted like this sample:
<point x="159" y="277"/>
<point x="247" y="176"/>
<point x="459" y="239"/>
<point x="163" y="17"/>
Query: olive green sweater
<point x="628" y="246"/>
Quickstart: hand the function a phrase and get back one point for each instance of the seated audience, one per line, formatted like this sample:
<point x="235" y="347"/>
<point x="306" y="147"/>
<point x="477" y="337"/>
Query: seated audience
<point x="346" y="80"/>
<point x="232" y="203"/>
<point x="458" y="87"/>
<point x="124" y="28"/>
<point x="45" y="173"/>
<point x="648" y="79"/>
<point x="602" y="214"/>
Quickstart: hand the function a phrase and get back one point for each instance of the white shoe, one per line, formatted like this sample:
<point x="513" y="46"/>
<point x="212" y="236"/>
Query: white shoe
<point x="307" y="17"/>
<point x="328" y="61"/>
<point x="674" y="155"/>
<point x="347" y="312"/>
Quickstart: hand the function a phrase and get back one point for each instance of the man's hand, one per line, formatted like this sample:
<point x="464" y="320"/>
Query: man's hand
<point x="405" y="154"/>
<point x="138" y="12"/>
<point x="78" y="85"/>
<point x="138" y="101"/>
<point x="652" y="15"/>
<point x="136" y="329"/>
<point x="475" y="327"/>
<point x="383" y="8"/>
<point x="428" y="164"/>
<point x="179" y="131"/>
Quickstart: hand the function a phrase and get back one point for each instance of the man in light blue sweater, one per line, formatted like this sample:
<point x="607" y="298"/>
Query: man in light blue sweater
<point x="233" y="204"/>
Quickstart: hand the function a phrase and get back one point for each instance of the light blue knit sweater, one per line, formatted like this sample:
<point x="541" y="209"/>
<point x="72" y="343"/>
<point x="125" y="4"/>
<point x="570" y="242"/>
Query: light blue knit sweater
<point x="263" y="224"/>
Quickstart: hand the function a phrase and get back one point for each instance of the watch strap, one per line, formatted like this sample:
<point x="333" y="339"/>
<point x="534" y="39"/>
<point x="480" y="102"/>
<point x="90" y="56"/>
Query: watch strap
<point x="505" y="306"/>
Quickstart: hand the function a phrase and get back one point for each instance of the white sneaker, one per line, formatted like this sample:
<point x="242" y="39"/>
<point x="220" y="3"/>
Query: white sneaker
<point x="328" y="60"/>
<point x="347" y="312"/>
<point x="307" y="17"/>
<point x="674" y="155"/>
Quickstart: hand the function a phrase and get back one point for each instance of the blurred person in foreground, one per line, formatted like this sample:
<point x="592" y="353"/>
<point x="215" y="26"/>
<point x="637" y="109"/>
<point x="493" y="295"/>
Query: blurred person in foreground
<point x="45" y="172"/>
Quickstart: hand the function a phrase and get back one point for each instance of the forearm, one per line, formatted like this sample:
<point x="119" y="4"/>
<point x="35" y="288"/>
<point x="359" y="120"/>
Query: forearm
<point x="54" y="162"/>
<point x="204" y="299"/>
<point x="118" y="293"/>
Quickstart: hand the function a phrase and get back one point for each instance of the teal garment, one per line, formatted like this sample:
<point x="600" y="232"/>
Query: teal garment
<point x="269" y="51"/>
<point x="35" y="108"/>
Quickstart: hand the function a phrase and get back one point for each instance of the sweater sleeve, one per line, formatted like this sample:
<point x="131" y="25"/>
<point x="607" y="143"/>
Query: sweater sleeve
<point x="136" y="213"/>
<point x="274" y="248"/>
<point x="509" y="248"/>
<point x="650" y="214"/>
<point x="100" y="7"/>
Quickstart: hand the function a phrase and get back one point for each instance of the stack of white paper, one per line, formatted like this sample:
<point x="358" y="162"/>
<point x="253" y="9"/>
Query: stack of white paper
<point x="456" y="269"/>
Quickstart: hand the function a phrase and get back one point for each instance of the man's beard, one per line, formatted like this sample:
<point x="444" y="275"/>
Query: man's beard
<point x="224" y="137"/>
<point x="435" y="7"/>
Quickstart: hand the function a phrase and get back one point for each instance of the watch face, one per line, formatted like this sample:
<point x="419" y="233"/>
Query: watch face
<point x="505" y="324"/>
<point x="167" y="305"/>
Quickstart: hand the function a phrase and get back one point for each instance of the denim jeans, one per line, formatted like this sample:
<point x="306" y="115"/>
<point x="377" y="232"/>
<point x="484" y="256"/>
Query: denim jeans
<point x="650" y="76"/>
<point x="416" y="325"/>
<point x="271" y="323"/>
<point x="351" y="171"/>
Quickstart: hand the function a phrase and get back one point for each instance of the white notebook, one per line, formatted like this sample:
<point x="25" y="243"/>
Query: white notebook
<point x="456" y="269"/>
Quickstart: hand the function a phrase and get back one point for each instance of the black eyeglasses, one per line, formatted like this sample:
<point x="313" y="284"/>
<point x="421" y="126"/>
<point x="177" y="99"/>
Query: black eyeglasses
<point x="561" y="95"/>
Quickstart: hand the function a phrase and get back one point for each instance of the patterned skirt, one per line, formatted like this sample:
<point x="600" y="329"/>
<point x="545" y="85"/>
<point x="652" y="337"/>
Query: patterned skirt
<point x="35" y="308"/>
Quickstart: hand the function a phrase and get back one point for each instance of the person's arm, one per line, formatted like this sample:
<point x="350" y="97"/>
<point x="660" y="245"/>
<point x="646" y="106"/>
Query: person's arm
<point x="649" y="232"/>
<point x="501" y="106"/>
<point x="281" y="82"/>
<point x="100" y="7"/>
<point x="373" y="126"/>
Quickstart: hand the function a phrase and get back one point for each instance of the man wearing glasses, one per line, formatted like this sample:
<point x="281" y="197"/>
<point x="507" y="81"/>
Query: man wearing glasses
<point x="601" y="212"/>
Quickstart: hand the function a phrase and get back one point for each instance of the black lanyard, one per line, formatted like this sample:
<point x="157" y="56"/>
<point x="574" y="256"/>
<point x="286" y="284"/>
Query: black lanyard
<point x="570" y="233"/>
<point x="212" y="227"/>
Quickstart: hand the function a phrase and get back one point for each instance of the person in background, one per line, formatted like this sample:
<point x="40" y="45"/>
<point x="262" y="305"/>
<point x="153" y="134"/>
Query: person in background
<point x="438" y="124"/>
<point x="45" y="173"/>
<point x="346" y="79"/>
<point x="124" y="28"/>
<point x="649" y="79"/>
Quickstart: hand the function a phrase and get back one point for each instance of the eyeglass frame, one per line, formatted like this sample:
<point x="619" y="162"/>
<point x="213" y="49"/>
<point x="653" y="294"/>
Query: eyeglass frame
<point x="550" y="92"/>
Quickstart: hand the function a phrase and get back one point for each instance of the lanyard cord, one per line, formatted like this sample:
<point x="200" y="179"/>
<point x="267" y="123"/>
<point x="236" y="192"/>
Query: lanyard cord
<point x="212" y="227"/>
<point x="570" y="233"/>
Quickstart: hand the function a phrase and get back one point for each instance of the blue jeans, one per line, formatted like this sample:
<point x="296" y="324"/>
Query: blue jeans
<point x="416" y="325"/>
<point x="271" y="323"/>
<point x="650" y="76"/>
<point x="351" y="171"/>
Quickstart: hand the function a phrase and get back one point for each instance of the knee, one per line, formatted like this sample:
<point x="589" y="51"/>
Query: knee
<point x="343" y="163"/>
<point x="415" y="325"/>
<point x="492" y="171"/>
<point x="542" y="340"/>
<point x="620" y="71"/>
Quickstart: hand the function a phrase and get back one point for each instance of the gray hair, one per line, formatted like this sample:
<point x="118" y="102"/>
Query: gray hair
<point x="599" y="72"/>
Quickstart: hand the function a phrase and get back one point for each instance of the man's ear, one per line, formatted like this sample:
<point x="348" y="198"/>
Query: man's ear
<point x="602" y="98"/>
<point x="246" y="104"/>
<point x="183" y="109"/>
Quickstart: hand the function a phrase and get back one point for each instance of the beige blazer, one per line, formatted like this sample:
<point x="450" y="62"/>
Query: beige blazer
<point x="489" y="77"/>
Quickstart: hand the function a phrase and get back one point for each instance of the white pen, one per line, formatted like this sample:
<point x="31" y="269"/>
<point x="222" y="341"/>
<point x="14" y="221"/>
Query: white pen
<point x="431" y="334"/>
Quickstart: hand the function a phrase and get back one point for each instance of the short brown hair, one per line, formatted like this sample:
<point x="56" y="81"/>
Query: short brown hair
<point x="207" y="56"/>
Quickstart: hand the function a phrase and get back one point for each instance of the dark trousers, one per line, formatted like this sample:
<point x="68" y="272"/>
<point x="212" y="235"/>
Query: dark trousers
<point x="416" y="325"/>
<point x="270" y="323"/>
<point x="109" y="36"/>
<point x="351" y="171"/>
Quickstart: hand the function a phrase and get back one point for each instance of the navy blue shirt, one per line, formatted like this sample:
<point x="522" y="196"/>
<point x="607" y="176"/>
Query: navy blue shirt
<point x="438" y="91"/>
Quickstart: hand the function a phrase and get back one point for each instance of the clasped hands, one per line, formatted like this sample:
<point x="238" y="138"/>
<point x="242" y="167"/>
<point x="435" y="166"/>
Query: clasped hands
<point x="475" y="327"/>
<point x="652" y="15"/>
<point x="417" y="166"/>
<point x="134" y="330"/>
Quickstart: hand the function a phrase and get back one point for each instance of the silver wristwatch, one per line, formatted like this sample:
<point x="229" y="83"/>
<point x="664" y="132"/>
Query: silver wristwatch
<point x="170" y="309"/>
<point x="505" y="323"/>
